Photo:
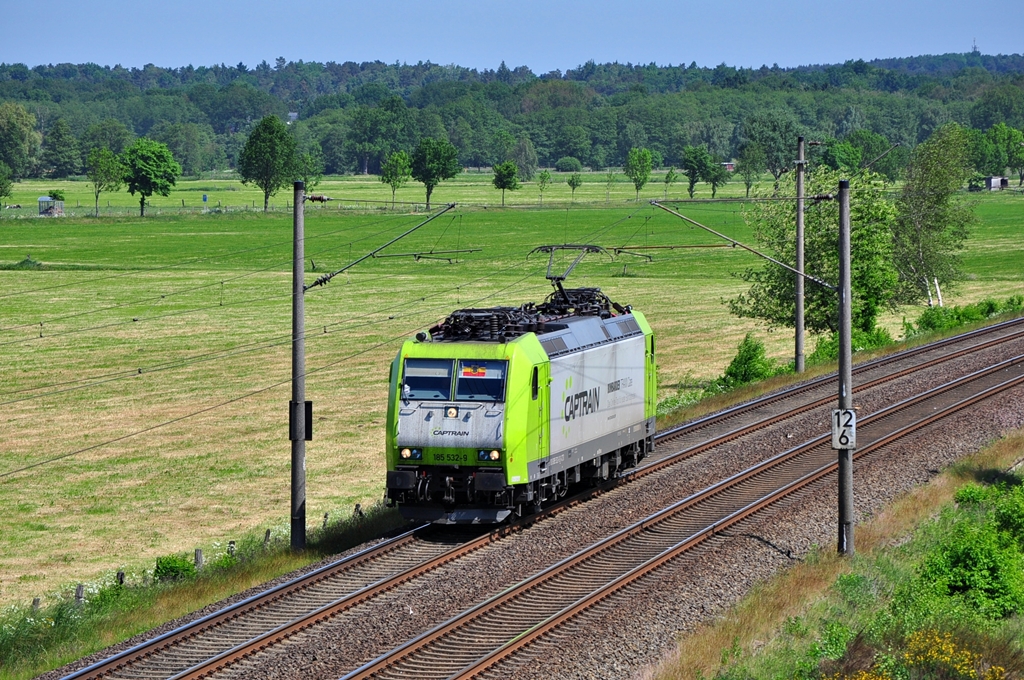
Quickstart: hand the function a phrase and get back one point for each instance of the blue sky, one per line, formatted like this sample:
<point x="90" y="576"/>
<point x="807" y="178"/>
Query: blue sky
<point x="542" y="34"/>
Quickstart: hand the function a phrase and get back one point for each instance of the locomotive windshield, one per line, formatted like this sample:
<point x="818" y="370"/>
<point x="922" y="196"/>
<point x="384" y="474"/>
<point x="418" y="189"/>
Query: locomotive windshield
<point x="428" y="379"/>
<point x="479" y="380"/>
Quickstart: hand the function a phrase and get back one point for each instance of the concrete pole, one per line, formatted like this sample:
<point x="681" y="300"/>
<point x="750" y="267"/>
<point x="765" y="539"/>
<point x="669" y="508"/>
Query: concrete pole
<point x="845" y="371"/>
<point x="297" y="406"/>
<point x="799" y="319"/>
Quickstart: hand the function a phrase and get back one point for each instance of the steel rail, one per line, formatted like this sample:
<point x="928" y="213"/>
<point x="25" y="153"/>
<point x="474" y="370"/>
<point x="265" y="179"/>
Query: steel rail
<point x="860" y="368"/>
<point x="193" y="628"/>
<point x="515" y="595"/>
<point x="748" y="407"/>
<point x="192" y="631"/>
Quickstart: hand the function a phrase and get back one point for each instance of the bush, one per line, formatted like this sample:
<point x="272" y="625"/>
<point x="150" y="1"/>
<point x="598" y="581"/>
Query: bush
<point x="977" y="564"/>
<point x="827" y="347"/>
<point x="946" y="318"/>
<point x="750" y="364"/>
<point x="56" y="194"/>
<point x="173" y="568"/>
<point x="971" y="495"/>
<point x="568" y="164"/>
<point x="1009" y="513"/>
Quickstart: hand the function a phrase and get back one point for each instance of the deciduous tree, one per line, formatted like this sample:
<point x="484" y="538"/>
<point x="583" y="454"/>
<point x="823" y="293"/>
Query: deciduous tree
<point x="434" y="161"/>
<point x="638" y="168"/>
<point x="933" y="221"/>
<point x="670" y="177"/>
<point x="873" y="274"/>
<point x="872" y="146"/>
<point x="543" y="180"/>
<point x="395" y="172"/>
<point x="750" y="164"/>
<point x="696" y="165"/>
<point x="506" y="178"/>
<point x="309" y="166"/>
<point x="268" y="158"/>
<point x="149" y="168"/>
<point x="525" y="156"/>
<point x="575" y="181"/>
<point x="1010" y="142"/>
<point x="841" y="156"/>
<point x="716" y="176"/>
<point x="609" y="182"/>
<point x="105" y="172"/>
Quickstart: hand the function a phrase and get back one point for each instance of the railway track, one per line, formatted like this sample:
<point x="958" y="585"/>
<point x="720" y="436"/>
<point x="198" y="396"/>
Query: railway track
<point x="217" y="641"/>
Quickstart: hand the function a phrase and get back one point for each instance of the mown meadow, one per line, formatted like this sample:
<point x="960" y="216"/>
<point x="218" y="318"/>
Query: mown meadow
<point x="145" y="363"/>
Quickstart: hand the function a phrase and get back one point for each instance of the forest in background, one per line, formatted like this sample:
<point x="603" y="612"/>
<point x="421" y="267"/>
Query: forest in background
<point x="353" y="115"/>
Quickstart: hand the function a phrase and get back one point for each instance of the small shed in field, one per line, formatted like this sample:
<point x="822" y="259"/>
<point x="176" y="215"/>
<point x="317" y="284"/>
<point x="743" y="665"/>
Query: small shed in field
<point x="50" y="207"/>
<point x="995" y="183"/>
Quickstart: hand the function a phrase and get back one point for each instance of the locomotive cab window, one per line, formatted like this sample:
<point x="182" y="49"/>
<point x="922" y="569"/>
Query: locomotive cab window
<point x="429" y="379"/>
<point x="478" y="380"/>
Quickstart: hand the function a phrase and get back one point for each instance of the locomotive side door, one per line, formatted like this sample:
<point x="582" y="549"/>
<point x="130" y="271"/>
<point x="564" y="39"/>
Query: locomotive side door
<point x="540" y="378"/>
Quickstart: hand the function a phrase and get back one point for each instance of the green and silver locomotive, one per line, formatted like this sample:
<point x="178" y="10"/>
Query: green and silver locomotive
<point x="496" y="411"/>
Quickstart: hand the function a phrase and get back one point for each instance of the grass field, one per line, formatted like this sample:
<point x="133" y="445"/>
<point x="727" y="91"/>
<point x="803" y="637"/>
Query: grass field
<point x="156" y="351"/>
<point x="358" y="192"/>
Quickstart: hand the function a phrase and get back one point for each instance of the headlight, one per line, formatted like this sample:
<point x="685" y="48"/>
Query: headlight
<point x="484" y="455"/>
<point x="495" y="454"/>
<point x="406" y="453"/>
<point x="417" y="454"/>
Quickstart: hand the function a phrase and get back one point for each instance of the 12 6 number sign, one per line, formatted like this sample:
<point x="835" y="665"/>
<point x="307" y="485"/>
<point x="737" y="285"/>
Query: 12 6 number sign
<point x="844" y="429"/>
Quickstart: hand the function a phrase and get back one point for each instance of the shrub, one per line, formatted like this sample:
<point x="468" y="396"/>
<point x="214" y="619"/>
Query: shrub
<point x="971" y="495"/>
<point x="173" y="568"/>
<point x="1009" y="513"/>
<point x="946" y="318"/>
<point x="751" y="364"/>
<point x="56" y="194"/>
<point x="568" y="164"/>
<point x="827" y="347"/>
<point x="977" y="564"/>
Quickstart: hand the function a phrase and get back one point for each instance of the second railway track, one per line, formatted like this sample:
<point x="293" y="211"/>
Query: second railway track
<point x="475" y="641"/>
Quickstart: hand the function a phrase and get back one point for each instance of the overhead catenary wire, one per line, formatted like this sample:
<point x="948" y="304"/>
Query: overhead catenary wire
<point x="233" y="400"/>
<point x="82" y="383"/>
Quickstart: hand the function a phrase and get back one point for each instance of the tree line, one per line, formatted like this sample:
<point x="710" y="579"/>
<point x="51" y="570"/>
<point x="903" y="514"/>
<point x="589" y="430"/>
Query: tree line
<point x="352" y="117"/>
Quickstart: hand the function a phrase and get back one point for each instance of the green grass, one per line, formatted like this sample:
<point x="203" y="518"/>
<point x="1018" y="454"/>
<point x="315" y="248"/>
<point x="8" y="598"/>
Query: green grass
<point x="35" y="641"/>
<point x="86" y="303"/>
